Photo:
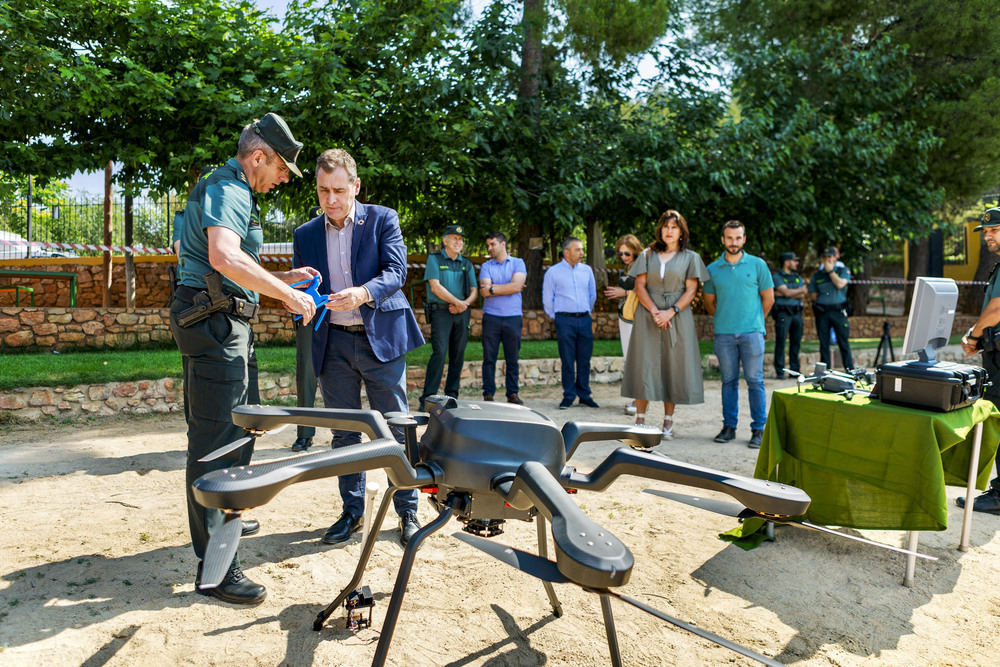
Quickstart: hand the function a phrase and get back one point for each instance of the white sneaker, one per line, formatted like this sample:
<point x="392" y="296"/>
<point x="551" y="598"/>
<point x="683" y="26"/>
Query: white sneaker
<point x="629" y="409"/>
<point x="668" y="429"/>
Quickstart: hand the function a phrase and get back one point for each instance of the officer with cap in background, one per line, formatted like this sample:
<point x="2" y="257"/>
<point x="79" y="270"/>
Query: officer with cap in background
<point x="451" y="291"/>
<point x="789" y="290"/>
<point x="220" y="280"/>
<point x="829" y="284"/>
<point x="983" y="337"/>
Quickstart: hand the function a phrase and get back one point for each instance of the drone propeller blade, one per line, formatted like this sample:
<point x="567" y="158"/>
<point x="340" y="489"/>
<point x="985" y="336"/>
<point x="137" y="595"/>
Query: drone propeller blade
<point x="221" y="550"/>
<point x="722" y="507"/>
<point x="536" y="566"/>
<point x="737" y="511"/>
<point x="704" y="634"/>
<point x="225" y="449"/>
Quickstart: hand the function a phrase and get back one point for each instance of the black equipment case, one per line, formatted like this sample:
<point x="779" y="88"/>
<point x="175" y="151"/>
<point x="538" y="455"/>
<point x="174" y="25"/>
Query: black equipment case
<point x="940" y="386"/>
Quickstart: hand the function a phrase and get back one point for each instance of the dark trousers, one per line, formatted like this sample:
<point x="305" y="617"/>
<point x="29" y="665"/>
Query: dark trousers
<point x="787" y="325"/>
<point x="349" y="361"/>
<point x="836" y="319"/>
<point x="497" y="330"/>
<point x="449" y="334"/>
<point x="305" y="378"/>
<point x="575" y="336"/>
<point x="220" y="373"/>
<point x="991" y="362"/>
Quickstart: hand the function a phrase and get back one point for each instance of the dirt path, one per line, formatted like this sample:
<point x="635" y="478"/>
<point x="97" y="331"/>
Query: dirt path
<point x="96" y="568"/>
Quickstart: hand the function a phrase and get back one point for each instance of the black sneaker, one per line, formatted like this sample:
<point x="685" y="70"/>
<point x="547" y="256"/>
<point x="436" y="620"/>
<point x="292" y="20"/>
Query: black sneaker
<point x="727" y="434"/>
<point x="566" y="404"/>
<point x="988" y="502"/>
<point x="589" y="402"/>
<point x="234" y="589"/>
<point x="302" y="444"/>
<point x="755" y="438"/>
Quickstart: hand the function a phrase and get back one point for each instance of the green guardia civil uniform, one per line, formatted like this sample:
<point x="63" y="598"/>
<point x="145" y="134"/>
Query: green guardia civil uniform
<point x="219" y="361"/>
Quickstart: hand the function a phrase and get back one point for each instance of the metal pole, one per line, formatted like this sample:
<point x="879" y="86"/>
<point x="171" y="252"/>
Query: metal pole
<point x="27" y="251"/>
<point x="970" y="487"/>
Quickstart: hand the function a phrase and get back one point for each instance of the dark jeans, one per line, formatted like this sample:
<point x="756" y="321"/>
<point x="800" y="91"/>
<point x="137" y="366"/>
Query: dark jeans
<point x="305" y="379"/>
<point x="220" y="372"/>
<point x="836" y="318"/>
<point x="349" y="361"/>
<point x="991" y="362"/>
<point x="575" y="337"/>
<point x="449" y="334"/>
<point x="787" y="325"/>
<point x="496" y="330"/>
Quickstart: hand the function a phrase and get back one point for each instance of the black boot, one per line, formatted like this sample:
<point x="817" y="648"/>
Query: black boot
<point x="234" y="589"/>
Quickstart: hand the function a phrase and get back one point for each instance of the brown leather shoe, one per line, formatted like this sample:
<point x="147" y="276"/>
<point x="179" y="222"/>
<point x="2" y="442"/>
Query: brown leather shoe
<point x="488" y="397"/>
<point x="513" y="398"/>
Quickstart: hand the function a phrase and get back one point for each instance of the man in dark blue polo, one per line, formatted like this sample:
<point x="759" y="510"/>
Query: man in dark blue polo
<point x="789" y="290"/>
<point x="451" y="291"/>
<point x="829" y="284"/>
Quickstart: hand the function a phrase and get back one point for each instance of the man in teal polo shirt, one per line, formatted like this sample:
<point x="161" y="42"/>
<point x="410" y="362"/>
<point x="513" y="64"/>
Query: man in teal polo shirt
<point x="451" y="291"/>
<point x="739" y="294"/>
<point x="973" y="340"/>
<point x="221" y="237"/>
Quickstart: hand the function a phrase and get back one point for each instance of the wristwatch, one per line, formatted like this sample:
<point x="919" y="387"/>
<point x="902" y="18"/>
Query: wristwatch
<point x="491" y="289"/>
<point x="677" y="311"/>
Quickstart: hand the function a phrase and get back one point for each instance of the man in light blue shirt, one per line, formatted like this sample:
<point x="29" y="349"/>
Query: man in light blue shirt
<point x="739" y="294"/>
<point x="568" y="295"/>
<point x="501" y="280"/>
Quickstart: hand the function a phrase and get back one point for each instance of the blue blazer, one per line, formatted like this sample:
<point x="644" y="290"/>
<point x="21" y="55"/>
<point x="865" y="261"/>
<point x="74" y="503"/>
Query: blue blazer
<point x="378" y="262"/>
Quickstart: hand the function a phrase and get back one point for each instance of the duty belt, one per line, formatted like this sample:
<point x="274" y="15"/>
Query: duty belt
<point x="233" y="305"/>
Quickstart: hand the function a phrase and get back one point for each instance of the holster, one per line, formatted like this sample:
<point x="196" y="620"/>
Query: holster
<point x="212" y="300"/>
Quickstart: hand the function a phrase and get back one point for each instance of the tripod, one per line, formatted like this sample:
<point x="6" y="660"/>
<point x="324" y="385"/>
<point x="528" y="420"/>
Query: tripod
<point x="884" y="352"/>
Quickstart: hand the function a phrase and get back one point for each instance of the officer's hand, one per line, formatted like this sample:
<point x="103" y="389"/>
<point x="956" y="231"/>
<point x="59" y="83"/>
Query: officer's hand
<point x="459" y="307"/>
<point x="968" y="346"/>
<point x="301" y="304"/>
<point x="347" y="299"/>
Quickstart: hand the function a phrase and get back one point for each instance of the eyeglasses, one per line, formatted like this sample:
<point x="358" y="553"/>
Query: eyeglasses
<point x="625" y="254"/>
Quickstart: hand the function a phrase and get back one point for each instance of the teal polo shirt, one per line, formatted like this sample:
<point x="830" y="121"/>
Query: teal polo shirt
<point x="791" y="281"/>
<point x="826" y="292"/>
<point x="737" y="288"/>
<point x="992" y="290"/>
<point x="222" y="198"/>
<point x="458" y="276"/>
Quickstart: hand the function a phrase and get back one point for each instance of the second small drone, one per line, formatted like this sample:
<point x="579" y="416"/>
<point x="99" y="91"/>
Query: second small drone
<point x="483" y="463"/>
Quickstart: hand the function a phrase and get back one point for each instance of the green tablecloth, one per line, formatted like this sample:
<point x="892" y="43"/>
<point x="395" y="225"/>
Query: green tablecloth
<point x="866" y="464"/>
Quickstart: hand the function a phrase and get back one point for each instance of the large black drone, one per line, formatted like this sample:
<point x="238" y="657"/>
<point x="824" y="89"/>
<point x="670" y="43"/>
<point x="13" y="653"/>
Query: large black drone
<point x="483" y="463"/>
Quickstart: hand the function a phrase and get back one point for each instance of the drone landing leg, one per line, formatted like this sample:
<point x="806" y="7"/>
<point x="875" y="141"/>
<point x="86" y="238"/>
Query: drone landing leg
<point x="366" y="553"/>
<point x="543" y="551"/>
<point x="403" y="576"/>
<point x="609" y="628"/>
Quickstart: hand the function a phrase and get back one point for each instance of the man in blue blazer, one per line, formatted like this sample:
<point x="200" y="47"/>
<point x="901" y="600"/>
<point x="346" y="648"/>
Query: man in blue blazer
<point x="368" y="326"/>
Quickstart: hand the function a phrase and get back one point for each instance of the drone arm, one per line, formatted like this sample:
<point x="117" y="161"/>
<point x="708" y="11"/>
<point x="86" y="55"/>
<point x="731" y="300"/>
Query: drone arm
<point x="576" y="433"/>
<point x="270" y="417"/>
<point x="585" y="552"/>
<point x="241" y="487"/>
<point x="757" y="494"/>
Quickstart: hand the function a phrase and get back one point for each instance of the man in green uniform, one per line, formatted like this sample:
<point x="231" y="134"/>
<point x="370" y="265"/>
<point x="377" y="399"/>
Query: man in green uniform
<point x="829" y="284"/>
<point x="789" y="290"/>
<point x="221" y="239"/>
<point x="974" y="340"/>
<point x="451" y="291"/>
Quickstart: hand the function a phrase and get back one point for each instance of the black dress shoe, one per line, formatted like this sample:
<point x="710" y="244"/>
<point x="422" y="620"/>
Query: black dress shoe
<point x="408" y="525"/>
<point x="589" y="402"/>
<point x="989" y="502"/>
<point x="234" y="589"/>
<point x="566" y="404"/>
<point x="727" y="434"/>
<point x="302" y="444"/>
<point x="251" y="527"/>
<point x="342" y="529"/>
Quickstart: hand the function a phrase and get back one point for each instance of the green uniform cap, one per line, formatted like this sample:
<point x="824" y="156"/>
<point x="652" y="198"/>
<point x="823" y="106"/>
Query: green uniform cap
<point x="990" y="219"/>
<point x="273" y="129"/>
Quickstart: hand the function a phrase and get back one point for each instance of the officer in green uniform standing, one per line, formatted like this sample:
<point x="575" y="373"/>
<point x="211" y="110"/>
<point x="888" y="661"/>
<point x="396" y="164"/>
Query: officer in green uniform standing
<point x="985" y="337"/>
<point x="789" y="290"/>
<point x="220" y="279"/>
<point x="451" y="291"/>
<point x="829" y="284"/>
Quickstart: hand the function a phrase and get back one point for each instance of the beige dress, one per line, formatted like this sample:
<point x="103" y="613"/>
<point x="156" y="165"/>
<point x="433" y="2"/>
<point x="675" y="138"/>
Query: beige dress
<point x="665" y="364"/>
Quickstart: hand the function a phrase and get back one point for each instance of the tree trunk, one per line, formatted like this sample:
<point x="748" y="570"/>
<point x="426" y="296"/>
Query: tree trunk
<point x="106" y="281"/>
<point x="595" y="254"/>
<point x="129" y="258"/>
<point x="529" y="248"/>
<point x="531" y="52"/>
<point x="919" y="258"/>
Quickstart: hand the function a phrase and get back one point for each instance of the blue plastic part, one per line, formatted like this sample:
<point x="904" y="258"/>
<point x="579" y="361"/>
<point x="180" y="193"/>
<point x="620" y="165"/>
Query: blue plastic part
<point x="319" y="299"/>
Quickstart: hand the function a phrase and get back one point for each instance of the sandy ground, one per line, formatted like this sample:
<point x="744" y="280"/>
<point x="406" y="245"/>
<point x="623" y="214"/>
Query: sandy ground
<point x="96" y="568"/>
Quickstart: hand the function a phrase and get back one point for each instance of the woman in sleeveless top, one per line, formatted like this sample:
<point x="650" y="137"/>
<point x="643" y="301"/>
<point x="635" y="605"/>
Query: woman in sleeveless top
<point x="664" y="361"/>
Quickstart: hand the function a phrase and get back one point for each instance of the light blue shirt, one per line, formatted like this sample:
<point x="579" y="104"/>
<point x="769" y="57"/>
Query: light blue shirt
<point x="502" y="305"/>
<point x="338" y="254"/>
<point x="568" y="289"/>
<point x="737" y="289"/>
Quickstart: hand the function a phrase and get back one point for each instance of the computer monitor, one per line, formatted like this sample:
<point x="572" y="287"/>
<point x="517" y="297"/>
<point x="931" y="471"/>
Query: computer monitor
<point x="932" y="312"/>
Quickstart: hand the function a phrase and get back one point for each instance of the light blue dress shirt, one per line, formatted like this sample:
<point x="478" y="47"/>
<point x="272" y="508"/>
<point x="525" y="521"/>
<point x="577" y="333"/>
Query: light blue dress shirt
<point x="568" y="289"/>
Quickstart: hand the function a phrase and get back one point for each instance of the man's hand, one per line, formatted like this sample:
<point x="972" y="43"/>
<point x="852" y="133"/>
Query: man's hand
<point x="298" y="275"/>
<point x="968" y="346"/>
<point x="301" y="304"/>
<point x="457" y="308"/>
<point x="347" y="299"/>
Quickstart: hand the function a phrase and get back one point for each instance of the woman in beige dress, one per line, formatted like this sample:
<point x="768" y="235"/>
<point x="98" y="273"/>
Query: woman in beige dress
<point x="664" y="361"/>
<point x="629" y="249"/>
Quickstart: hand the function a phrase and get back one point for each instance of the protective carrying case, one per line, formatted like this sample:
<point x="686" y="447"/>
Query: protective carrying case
<point x="940" y="386"/>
